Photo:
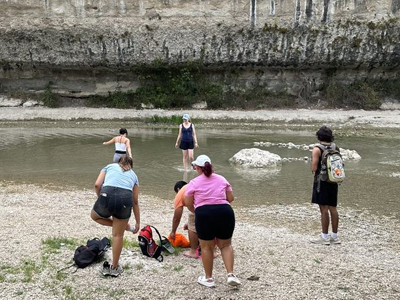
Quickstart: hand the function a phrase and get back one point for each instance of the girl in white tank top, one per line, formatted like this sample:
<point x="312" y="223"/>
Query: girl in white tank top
<point x="122" y="145"/>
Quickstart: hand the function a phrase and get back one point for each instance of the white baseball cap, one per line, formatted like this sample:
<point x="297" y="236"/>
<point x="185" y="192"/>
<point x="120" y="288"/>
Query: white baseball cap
<point x="201" y="160"/>
<point x="186" y="117"/>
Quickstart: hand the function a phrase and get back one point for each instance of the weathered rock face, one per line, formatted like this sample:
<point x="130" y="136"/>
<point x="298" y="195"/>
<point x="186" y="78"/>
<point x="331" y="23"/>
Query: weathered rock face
<point x="87" y="47"/>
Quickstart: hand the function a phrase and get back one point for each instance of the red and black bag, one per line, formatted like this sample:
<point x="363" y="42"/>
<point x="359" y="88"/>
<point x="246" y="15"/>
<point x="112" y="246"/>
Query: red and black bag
<point x="148" y="245"/>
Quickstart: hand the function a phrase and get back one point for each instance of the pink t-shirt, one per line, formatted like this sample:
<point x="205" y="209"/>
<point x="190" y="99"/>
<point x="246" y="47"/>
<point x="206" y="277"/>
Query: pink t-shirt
<point x="208" y="190"/>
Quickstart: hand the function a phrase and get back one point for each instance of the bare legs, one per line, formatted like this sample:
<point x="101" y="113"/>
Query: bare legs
<point x="191" y="155"/>
<point x="118" y="229"/>
<point x="207" y="255"/>
<point x="334" y="216"/>
<point x="185" y="155"/>
<point x="194" y="242"/>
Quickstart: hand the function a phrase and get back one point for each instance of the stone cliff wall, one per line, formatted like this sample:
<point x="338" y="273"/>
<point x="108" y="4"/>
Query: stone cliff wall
<point x="87" y="47"/>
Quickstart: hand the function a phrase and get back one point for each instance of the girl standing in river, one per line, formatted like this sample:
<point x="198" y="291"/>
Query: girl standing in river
<point x="187" y="134"/>
<point x="122" y="145"/>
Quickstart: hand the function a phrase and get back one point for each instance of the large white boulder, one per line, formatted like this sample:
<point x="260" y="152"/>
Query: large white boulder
<point x="348" y="154"/>
<point x="256" y="158"/>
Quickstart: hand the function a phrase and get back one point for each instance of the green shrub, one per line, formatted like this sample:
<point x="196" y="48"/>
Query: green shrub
<point x="356" y="95"/>
<point x="165" y="120"/>
<point x="49" y="98"/>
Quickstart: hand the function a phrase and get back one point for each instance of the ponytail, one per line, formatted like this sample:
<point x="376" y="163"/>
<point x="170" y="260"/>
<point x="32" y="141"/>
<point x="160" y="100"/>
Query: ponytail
<point x="125" y="162"/>
<point x="207" y="169"/>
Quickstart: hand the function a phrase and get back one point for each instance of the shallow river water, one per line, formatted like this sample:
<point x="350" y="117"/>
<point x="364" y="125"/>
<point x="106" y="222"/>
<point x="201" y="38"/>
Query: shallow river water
<point x="73" y="157"/>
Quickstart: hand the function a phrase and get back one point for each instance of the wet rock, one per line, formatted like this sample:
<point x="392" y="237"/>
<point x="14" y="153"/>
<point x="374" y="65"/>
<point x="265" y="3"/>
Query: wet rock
<point x="348" y="154"/>
<point x="256" y="158"/>
<point x="31" y="103"/>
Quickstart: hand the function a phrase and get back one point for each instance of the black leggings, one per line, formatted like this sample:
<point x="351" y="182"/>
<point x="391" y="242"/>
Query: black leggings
<point x="214" y="221"/>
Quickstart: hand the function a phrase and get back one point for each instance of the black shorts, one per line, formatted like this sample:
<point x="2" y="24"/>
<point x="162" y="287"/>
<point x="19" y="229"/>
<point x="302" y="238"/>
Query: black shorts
<point x="186" y="145"/>
<point x="214" y="221"/>
<point x="115" y="202"/>
<point x="328" y="194"/>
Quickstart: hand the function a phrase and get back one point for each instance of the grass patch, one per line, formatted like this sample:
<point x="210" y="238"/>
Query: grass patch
<point x="61" y="276"/>
<point x="175" y="120"/>
<point x="29" y="269"/>
<point x="316" y="260"/>
<point x="10" y="269"/>
<point x="126" y="267"/>
<point x="178" y="268"/>
<point x="68" y="290"/>
<point x="54" y="244"/>
<point x="128" y="243"/>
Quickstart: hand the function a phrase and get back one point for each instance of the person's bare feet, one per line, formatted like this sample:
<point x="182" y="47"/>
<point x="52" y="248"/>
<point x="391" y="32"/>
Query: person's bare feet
<point x="190" y="254"/>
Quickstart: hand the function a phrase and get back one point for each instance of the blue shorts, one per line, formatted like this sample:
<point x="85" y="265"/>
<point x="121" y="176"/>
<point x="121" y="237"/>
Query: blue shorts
<point x="214" y="221"/>
<point x="186" y="145"/>
<point x="115" y="202"/>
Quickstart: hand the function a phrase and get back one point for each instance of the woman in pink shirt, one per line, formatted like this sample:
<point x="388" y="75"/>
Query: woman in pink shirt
<point x="209" y="195"/>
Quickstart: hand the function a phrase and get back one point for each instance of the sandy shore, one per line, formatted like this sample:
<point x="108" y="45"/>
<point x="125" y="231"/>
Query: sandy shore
<point x="271" y="242"/>
<point x="349" y="118"/>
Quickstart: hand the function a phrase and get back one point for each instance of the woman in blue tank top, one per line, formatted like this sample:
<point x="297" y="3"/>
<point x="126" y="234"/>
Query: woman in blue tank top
<point x="187" y="135"/>
<point x="117" y="189"/>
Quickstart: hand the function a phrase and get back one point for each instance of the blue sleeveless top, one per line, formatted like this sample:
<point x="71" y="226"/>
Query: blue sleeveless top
<point x="187" y="133"/>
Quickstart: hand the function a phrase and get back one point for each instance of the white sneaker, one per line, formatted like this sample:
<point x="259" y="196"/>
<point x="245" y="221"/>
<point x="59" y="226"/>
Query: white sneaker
<point x="233" y="280"/>
<point x="321" y="241"/>
<point x="208" y="282"/>
<point x="335" y="241"/>
<point x="115" y="272"/>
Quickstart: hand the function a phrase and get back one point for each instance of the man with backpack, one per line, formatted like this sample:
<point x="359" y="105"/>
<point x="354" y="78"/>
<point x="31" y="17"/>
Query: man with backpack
<point x="328" y="172"/>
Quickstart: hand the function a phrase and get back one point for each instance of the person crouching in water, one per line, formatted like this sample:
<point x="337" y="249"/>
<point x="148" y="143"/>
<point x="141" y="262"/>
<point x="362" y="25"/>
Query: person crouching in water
<point x="209" y="195"/>
<point x="117" y="188"/>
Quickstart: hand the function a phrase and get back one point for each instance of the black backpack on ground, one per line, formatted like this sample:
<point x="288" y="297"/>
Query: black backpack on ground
<point x="84" y="255"/>
<point x="94" y="249"/>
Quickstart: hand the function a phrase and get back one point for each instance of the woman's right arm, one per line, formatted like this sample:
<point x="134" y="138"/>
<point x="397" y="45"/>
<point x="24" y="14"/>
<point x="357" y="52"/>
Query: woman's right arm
<point x="128" y="147"/>
<point x="135" y="207"/>
<point x="229" y="196"/>
<point x="99" y="182"/>
<point x="189" y="202"/>
<point x="109" y="142"/>
<point x="179" y="136"/>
